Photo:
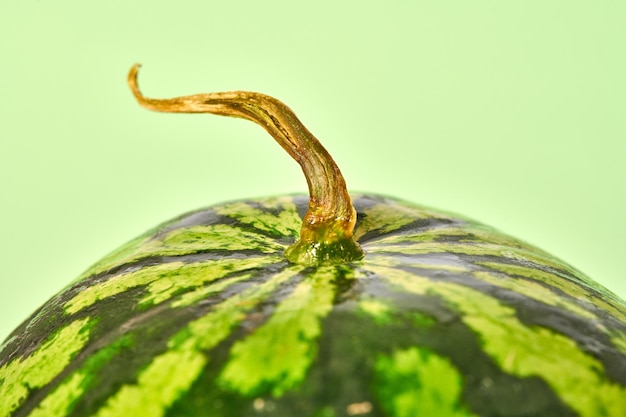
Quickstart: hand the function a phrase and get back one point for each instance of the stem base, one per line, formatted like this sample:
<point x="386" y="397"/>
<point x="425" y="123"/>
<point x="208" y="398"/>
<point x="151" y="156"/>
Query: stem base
<point x="317" y="251"/>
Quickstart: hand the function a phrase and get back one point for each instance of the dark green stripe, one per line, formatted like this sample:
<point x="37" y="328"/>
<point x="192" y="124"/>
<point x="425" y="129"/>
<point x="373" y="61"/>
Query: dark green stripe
<point x="277" y="216"/>
<point x="178" y="242"/>
<point x="279" y="353"/>
<point x="522" y="350"/>
<point x="62" y="400"/>
<point x="22" y="375"/>
<point x="164" y="281"/>
<point x="171" y="373"/>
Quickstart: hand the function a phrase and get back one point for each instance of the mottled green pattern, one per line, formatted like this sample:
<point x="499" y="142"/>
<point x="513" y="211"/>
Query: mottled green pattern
<point x="474" y="249"/>
<point x="202" y="292"/>
<point x="377" y="309"/>
<point x="523" y="350"/>
<point x="585" y="294"/>
<point x="158" y="386"/>
<point x="415" y="382"/>
<point x="172" y="372"/>
<point x="279" y="353"/>
<point x="619" y="340"/>
<point x="535" y="291"/>
<point x="162" y="281"/>
<point x="60" y="401"/>
<point x="380" y="218"/>
<point x="286" y="221"/>
<point x="204" y="311"/>
<point x="186" y="241"/>
<point x="23" y="374"/>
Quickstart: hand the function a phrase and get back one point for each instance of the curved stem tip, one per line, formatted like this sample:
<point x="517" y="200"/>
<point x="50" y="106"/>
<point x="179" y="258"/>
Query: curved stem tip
<point x="326" y="236"/>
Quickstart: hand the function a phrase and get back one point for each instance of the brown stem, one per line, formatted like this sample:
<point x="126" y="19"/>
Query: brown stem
<point x="326" y="234"/>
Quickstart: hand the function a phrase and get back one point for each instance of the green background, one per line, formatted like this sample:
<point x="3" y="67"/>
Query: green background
<point x="513" y="113"/>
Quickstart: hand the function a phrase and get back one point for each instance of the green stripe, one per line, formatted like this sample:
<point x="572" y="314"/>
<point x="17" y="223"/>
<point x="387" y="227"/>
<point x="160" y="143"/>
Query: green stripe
<point x="468" y="233"/>
<point x="286" y="223"/>
<point x="519" y="254"/>
<point x="202" y="293"/>
<point x="378" y="259"/>
<point x="575" y="376"/>
<point x="170" y="374"/>
<point x="165" y="280"/>
<point x="209" y="330"/>
<point x="215" y="237"/>
<point x="384" y="313"/>
<point x="619" y="340"/>
<point x="584" y="294"/>
<point x="20" y="376"/>
<point x="416" y="382"/>
<point x="185" y="241"/>
<point x="377" y="309"/>
<point x="534" y="291"/>
<point x="119" y="256"/>
<point x="277" y="356"/>
<point x="383" y="220"/>
<point x="158" y="386"/>
<point x="61" y="400"/>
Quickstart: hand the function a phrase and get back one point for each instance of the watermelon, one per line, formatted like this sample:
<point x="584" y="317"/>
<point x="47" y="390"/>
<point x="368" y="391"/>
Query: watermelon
<point x="319" y="305"/>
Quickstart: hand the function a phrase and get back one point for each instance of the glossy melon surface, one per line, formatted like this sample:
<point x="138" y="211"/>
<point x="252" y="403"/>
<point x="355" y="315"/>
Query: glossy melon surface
<point x="203" y="316"/>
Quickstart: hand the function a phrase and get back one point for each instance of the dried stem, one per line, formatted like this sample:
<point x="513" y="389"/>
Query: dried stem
<point x="326" y="234"/>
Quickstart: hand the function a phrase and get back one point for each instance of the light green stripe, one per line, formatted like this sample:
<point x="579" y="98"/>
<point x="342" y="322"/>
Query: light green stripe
<point x="391" y="215"/>
<point x="201" y="293"/>
<point x="185" y="241"/>
<point x="158" y="386"/>
<point x="21" y="375"/>
<point x="478" y="249"/>
<point x="525" y="351"/>
<point x="286" y="223"/>
<point x="415" y="382"/>
<point x="534" y="291"/>
<point x="377" y="309"/>
<point x="60" y="401"/>
<point x="582" y="293"/>
<point x="440" y="247"/>
<point x="171" y="374"/>
<point x="165" y="280"/>
<point x="618" y="338"/>
<point x="413" y="261"/>
<point x="380" y="218"/>
<point x="467" y="233"/>
<point x="209" y="330"/>
<point x="280" y="352"/>
<point x="215" y="237"/>
<point x="191" y="277"/>
<point x="384" y="313"/>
